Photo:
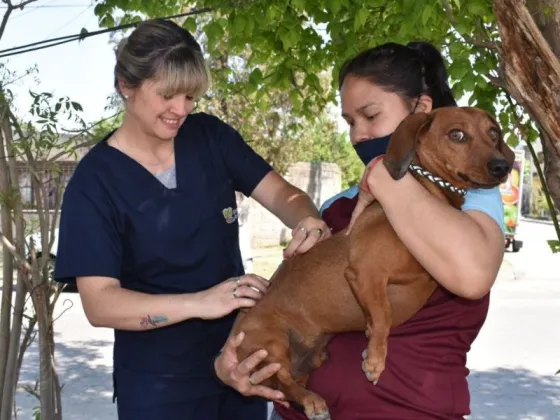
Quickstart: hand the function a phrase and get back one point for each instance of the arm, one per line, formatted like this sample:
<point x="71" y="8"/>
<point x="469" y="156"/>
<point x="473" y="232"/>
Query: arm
<point x="462" y="250"/>
<point x="255" y="178"/>
<point x="285" y="201"/>
<point x="108" y="305"/>
<point x="295" y="209"/>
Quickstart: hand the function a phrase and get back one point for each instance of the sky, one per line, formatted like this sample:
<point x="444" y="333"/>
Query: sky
<point x="83" y="71"/>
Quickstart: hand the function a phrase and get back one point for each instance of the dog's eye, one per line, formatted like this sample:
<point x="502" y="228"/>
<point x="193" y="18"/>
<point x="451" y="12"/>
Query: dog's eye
<point x="494" y="134"/>
<point x="457" y="135"/>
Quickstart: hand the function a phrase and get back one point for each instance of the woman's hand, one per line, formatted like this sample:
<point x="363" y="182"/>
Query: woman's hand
<point x="232" y="294"/>
<point x="307" y="233"/>
<point x="238" y="374"/>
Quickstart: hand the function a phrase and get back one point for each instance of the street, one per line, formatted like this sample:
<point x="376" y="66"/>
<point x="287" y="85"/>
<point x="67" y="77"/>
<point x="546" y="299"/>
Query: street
<point x="512" y="362"/>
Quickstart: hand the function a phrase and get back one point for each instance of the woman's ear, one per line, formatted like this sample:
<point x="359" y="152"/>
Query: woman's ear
<point x="425" y="104"/>
<point x="124" y="90"/>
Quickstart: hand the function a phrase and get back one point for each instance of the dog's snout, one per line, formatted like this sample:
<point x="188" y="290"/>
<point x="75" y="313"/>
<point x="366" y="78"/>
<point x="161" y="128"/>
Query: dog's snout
<point x="498" y="168"/>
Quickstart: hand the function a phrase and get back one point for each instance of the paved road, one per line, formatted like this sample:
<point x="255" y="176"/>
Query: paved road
<point x="512" y="362"/>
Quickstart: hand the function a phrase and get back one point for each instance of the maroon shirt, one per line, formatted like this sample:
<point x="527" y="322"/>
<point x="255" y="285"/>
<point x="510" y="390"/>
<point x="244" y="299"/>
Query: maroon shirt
<point x="425" y="375"/>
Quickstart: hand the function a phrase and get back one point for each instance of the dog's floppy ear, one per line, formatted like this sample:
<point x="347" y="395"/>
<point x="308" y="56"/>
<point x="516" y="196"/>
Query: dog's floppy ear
<point x="402" y="146"/>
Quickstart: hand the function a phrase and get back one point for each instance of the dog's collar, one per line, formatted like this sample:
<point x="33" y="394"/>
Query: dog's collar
<point x="417" y="169"/>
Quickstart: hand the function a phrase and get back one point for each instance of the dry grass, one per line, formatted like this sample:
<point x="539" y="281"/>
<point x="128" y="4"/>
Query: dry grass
<point x="266" y="261"/>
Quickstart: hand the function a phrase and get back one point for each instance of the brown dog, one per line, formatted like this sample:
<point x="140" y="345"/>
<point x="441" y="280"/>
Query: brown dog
<point x="370" y="272"/>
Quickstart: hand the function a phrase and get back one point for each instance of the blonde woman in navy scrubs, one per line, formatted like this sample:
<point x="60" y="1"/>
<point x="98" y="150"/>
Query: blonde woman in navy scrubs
<point x="149" y="232"/>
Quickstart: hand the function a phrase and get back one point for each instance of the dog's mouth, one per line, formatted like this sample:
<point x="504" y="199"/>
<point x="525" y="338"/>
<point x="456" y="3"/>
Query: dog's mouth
<point x="481" y="185"/>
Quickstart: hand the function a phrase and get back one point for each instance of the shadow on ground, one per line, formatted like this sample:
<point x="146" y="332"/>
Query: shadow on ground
<point x="514" y="394"/>
<point x="87" y="392"/>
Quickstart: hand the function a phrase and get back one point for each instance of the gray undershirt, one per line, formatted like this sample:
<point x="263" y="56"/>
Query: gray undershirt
<point x="168" y="177"/>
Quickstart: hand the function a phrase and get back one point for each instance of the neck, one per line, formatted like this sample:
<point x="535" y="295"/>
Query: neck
<point x="131" y="137"/>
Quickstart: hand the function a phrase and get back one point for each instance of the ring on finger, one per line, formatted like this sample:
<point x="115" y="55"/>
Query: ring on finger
<point x="319" y="230"/>
<point x="234" y="292"/>
<point x="304" y="230"/>
<point x="237" y="280"/>
<point x="251" y="380"/>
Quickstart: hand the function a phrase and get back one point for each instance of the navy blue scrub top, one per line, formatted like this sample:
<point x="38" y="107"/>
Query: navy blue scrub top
<point x="119" y="221"/>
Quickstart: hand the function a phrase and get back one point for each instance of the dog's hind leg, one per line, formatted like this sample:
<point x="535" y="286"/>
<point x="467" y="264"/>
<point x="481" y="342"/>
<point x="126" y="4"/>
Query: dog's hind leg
<point x="314" y="406"/>
<point x="307" y="358"/>
<point x="370" y="290"/>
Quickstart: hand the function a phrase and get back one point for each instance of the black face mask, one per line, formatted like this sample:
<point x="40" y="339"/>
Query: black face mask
<point x="371" y="148"/>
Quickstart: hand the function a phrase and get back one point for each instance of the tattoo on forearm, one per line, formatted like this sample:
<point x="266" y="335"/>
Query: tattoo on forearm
<point x="153" y="321"/>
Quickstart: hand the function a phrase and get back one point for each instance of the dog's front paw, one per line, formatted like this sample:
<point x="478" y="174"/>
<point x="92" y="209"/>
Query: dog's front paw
<point x="373" y="366"/>
<point x="316" y="408"/>
<point x="324" y="416"/>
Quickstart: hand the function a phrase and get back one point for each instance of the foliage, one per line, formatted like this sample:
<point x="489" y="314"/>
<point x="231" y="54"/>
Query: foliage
<point x="294" y="41"/>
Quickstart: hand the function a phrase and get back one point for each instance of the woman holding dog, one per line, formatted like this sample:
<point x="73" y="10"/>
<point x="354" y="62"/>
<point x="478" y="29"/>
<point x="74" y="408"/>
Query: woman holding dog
<point x="149" y="231"/>
<point x="425" y="375"/>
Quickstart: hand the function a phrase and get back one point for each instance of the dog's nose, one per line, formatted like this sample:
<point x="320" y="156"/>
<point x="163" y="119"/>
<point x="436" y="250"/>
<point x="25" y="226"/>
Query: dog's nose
<point x="498" y="167"/>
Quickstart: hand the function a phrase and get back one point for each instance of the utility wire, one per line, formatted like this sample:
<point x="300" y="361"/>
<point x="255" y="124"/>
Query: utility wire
<point x="54" y="6"/>
<point x="86" y="8"/>
<point x="48" y="43"/>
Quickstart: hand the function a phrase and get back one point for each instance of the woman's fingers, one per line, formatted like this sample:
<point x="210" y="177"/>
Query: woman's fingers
<point x="247" y="292"/>
<point x="234" y="342"/>
<point x="265" y="373"/>
<point x="246" y="366"/>
<point x="268" y="393"/>
<point x="313" y="237"/>
<point x="299" y="235"/>
<point x="254" y="281"/>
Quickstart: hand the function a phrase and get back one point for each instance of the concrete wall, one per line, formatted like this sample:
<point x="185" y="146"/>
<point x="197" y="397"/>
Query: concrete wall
<point x="320" y="180"/>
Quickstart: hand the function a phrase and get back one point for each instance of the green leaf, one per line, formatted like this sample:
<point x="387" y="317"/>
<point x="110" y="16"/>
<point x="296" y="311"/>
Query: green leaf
<point x="334" y="7"/>
<point x="249" y="27"/>
<point x="76" y="106"/>
<point x="360" y="19"/>
<point x="238" y="24"/>
<point x="273" y="14"/>
<point x="295" y="98"/>
<point x="255" y="77"/>
<point x="426" y="14"/>
<point x="190" y="24"/>
<point x="298" y="5"/>
<point x="555" y="248"/>
<point x="83" y="32"/>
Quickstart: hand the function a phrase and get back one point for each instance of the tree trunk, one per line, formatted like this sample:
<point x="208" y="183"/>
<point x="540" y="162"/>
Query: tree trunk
<point x="530" y="70"/>
<point x="7" y="279"/>
<point x="11" y="377"/>
<point x="45" y="354"/>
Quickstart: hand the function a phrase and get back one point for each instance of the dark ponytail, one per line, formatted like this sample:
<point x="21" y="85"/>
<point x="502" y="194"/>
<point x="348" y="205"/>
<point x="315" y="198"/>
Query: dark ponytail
<point x="435" y="74"/>
<point x="409" y="71"/>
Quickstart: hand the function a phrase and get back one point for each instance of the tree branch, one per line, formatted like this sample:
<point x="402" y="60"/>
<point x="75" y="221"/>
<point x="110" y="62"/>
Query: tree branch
<point x="11" y="7"/>
<point x="12" y="249"/>
<point x="85" y="144"/>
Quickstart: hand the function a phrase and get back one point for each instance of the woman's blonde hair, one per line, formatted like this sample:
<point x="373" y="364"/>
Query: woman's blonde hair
<point x="161" y="51"/>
